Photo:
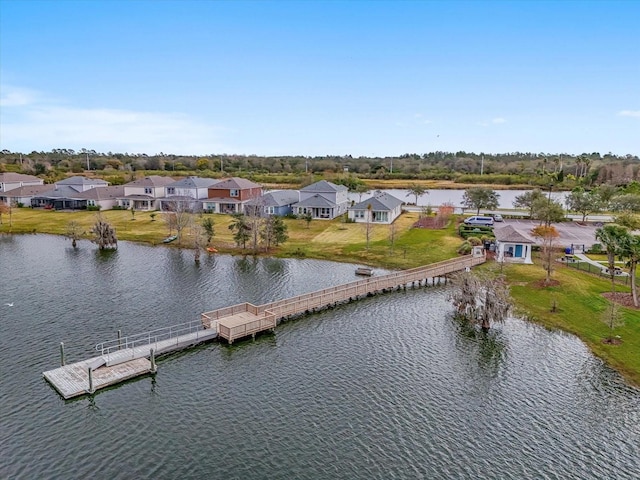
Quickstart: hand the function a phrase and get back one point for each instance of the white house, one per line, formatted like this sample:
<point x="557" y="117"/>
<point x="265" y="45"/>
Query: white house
<point x="188" y="190"/>
<point x="323" y="200"/>
<point x="381" y="208"/>
<point x="512" y="246"/>
<point x="82" y="184"/>
<point x="143" y="194"/>
<point x="11" y="180"/>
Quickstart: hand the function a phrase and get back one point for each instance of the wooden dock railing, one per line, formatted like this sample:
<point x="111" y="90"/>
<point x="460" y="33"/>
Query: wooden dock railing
<point x="329" y="296"/>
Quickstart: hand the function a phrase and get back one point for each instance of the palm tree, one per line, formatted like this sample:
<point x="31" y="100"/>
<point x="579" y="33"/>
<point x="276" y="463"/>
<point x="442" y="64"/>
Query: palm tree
<point x="631" y="251"/>
<point x="613" y="237"/>
<point x="417" y="190"/>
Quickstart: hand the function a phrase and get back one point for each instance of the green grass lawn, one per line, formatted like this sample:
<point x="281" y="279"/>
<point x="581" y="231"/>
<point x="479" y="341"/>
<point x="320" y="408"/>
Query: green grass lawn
<point x="580" y="306"/>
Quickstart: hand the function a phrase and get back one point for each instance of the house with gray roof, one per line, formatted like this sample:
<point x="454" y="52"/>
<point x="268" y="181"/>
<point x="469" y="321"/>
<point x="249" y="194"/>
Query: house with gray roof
<point x="23" y="195"/>
<point x="105" y="197"/>
<point x="143" y="194"/>
<point x="278" y="202"/>
<point x="12" y="180"/>
<point x="67" y="194"/>
<point x="512" y="245"/>
<point x="381" y="208"/>
<point x="230" y="195"/>
<point x="323" y="200"/>
<point x="189" y="190"/>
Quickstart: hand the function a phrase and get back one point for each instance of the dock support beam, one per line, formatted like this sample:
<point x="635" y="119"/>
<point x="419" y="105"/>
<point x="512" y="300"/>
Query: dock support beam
<point x="91" y="390"/>
<point x="119" y="339"/>
<point x="62" y="354"/>
<point x="152" y="357"/>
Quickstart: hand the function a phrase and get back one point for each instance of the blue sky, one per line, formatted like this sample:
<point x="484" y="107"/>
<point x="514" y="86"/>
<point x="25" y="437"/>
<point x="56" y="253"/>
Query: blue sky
<point x="357" y="78"/>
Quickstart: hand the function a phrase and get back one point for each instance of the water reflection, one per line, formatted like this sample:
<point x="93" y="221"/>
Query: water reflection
<point x="488" y="348"/>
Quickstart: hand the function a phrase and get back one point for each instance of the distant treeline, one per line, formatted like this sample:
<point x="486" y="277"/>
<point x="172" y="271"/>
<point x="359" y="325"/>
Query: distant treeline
<point x="462" y="167"/>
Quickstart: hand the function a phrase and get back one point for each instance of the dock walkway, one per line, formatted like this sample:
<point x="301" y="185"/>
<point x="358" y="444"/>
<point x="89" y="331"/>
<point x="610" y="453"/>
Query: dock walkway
<point x="132" y="356"/>
<point x="245" y="319"/>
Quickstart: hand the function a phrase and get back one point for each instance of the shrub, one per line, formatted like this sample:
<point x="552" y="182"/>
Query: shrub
<point x="464" y="248"/>
<point x="596" y="248"/>
<point x="93" y="208"/>
<point x="474" y="241"/>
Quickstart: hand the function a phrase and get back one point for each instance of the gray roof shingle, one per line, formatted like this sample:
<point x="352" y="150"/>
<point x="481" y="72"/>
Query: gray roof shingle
<point x="324" y="187"/>
<point x="379" y="202"/>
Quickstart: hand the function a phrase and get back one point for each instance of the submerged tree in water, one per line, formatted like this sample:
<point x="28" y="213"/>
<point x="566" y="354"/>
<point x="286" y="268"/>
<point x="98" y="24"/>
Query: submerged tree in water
<point x="481" y="300"/>
<point x="73" y="232"/>
<point x="104" y="235"/>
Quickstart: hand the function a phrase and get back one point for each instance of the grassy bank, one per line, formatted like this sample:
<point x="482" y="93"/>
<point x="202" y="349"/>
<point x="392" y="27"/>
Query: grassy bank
<point x="329" y="240"/>
<point x="580" y="306"/>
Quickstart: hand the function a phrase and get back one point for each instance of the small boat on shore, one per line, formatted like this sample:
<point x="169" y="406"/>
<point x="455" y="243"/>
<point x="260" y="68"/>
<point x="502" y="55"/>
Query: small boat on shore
<point x="365" y="271"/>
<point x="212" y="250"/>
<point x="170" y="239"/>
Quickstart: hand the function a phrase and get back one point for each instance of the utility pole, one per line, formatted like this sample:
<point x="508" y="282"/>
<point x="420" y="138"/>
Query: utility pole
<point x="88" y="161"/>
<point x="481" y="164"/>
<point x="391" y="166"/>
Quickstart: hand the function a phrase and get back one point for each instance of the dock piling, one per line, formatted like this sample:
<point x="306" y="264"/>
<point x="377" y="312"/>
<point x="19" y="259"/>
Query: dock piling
<point x="152" y="357"/>
<point x="62" y="354"/>
<point x="91" y="390"/>
<point x="119" y="339"/>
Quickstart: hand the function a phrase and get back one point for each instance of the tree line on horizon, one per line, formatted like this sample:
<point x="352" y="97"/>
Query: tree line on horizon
<point x="463" y="167"/>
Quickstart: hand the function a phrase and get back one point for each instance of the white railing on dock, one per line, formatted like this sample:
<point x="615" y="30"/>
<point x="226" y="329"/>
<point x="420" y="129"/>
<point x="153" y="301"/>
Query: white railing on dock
<point x="339" y="293"/>
<point x="149" y="338"/>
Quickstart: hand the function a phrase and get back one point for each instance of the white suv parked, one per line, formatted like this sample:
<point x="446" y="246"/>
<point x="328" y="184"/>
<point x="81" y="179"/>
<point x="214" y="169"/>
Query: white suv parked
<point x="479" y="220"/>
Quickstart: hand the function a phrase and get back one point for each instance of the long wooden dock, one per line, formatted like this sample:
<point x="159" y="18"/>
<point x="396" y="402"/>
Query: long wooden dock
<point x="245" y="319"/>
<point x="128" y="357"/>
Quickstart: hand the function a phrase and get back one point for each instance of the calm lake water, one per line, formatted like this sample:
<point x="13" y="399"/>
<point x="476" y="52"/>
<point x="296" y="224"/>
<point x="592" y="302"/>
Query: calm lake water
<point x="387" y="387"/>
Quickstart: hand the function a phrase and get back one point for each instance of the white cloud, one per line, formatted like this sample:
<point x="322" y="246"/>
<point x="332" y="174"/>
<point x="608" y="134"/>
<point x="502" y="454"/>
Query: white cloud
<point x="498" y="120"/>
<point x="630" y="113"/>
<point x="11" y="96"/>
<point x="31" y="124"/>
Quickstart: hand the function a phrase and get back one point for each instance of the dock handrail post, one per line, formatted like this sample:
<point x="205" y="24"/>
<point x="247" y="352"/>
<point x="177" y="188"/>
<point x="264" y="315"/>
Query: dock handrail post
<point x="119" y="339"/>
<point x="62" y="354"/>
<point x="153" y="361"/>
<point x="91" y="390"/>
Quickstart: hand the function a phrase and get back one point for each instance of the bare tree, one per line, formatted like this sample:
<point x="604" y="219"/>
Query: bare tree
<point x="182" y="211"/>
<point x="368" y="227"/>
<point x="482" y="300"/>
<point x="5" y="209"/>
<point x="198" y="237"/>
<point x="548" y="235"/>
<point x="73" y="232"/>
<point x="104" y="235"/>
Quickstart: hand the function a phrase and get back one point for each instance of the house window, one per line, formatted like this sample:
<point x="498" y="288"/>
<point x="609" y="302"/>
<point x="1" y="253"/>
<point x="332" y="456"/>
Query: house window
<point x="148" y="190"/>
<point x="269" y="210"/>
<point x="381" y="216"/>
<point x="358" y="214"/>
<point x="234" y="192"/>
<point x="171" y="190"/>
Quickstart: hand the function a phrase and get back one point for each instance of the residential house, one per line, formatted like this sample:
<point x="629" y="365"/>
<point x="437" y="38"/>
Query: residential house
<point x="381" y="208"/>
<point x="22" y="196"/>
<point x="190" y="190"/>
<point x="144" y="193"/>
<point x="66" y="194"/>
<point x="106" y="197"/>
<point x="512" y="246"/>
<point x="230" y="195"/>
<point x="10" y="181"/>
<point x="323" y="200"/>
<point x="278" y="202"/>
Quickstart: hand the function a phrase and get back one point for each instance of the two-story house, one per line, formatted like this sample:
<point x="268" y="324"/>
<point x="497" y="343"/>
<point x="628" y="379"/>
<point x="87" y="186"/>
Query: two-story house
<point x="230" y="195"/>
<point x="143" y="194"/>
<point x="189" y="191"/>
<point x="10" y="181"/>
<point x="67" y="194"/>
<point x="323" y="200"/>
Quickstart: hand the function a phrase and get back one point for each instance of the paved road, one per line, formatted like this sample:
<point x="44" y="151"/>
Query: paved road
<point x="570" y="232"/>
